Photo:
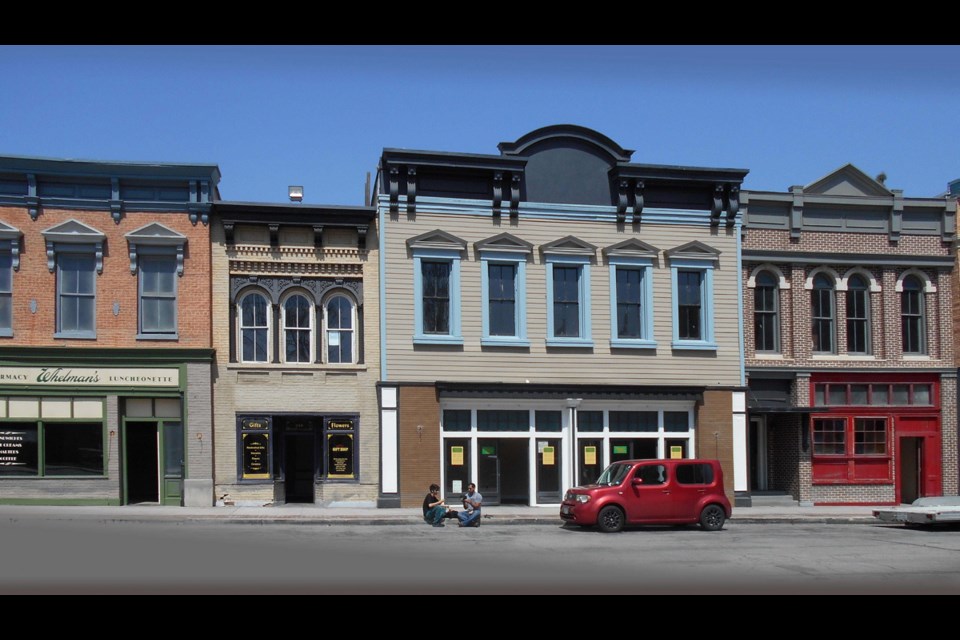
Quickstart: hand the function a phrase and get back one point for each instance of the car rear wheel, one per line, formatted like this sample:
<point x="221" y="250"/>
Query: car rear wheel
<point x="712" y="517"/>
<point x="610" y="519"/>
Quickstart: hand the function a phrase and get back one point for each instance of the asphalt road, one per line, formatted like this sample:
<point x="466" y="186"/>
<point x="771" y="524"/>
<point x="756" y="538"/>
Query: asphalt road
<point x="41" y="556"/>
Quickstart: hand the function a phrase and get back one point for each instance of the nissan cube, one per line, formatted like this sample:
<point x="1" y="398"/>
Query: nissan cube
<point x="650" y="492"/>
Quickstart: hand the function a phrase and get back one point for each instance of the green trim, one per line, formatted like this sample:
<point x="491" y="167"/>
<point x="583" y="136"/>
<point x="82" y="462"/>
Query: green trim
<point x="78" y="502"/>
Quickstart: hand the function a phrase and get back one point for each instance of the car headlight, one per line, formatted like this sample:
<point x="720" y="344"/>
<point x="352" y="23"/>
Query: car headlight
<point x="581" y="498"/>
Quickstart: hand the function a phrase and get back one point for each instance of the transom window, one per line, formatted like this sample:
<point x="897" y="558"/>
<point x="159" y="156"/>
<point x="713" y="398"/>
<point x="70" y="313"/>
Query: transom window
<point x="876" y="394"/>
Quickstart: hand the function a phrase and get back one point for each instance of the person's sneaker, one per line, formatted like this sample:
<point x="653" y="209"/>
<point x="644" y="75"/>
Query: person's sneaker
<point x="439" y="524"/>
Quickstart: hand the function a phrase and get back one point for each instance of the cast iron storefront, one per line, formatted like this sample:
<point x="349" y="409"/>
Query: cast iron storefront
<point x="86" y="432"/>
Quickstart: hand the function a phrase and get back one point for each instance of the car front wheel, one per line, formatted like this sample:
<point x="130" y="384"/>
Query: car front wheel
<point x="712" y="517"/>
<point x="610" y="519"/>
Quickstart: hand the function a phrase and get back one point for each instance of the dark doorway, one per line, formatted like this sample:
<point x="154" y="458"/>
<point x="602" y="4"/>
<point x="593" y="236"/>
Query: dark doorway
<point x="299" y="467"/>
<point x="514" y="472"/>
<point x="911" y="452"/>
<point x="141" y="463"/>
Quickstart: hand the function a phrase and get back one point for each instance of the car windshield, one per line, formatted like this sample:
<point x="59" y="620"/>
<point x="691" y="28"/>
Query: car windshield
<point x="614" y="474"/>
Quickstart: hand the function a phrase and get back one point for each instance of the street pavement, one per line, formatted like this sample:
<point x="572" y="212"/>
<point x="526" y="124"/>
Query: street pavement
<point x="364" y="515"/>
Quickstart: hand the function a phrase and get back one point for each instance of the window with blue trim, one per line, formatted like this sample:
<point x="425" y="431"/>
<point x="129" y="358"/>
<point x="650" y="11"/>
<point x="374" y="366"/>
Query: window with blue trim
<point x="692" y="283"/>
<point x="631" y="303"/>
<point x="568" y="310"/>
<point x="437" y="297"/>
<point x="504" y="299"/>
<point x="76" y="295"/>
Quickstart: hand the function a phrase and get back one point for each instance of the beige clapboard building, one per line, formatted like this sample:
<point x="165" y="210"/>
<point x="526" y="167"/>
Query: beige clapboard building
<point x="552" y="309"/>
<point x="296" y="333"/>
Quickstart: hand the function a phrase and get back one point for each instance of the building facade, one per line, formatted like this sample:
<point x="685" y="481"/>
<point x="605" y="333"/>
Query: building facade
<point x="296" y="331"/>
<point x="105" y="338"/>
<point x="849" y="350"/>
<point x="552" y="309"/>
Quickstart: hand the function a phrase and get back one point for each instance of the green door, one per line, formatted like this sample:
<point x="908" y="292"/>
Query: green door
<point x="171" y="447"/>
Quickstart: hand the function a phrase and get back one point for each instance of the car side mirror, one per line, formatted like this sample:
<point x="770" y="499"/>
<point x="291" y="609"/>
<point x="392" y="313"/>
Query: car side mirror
<point x="637" y="482"/>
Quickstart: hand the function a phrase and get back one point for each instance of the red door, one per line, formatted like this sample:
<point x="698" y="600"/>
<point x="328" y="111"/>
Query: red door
<point x="648" y="494"/>
<point x="918" y="457"/>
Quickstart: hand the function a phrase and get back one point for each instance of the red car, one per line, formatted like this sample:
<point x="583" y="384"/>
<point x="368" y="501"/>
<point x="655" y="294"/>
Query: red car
<point x="651" y="492"/>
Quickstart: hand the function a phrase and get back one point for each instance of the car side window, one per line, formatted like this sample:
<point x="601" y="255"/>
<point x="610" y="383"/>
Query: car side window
<point x="652" y="474"/>
<point x="696" y="473"/>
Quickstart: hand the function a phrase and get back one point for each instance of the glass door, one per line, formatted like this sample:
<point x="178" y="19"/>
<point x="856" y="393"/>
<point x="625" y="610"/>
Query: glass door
<point x="549" y="459"/>
<point x="488" y="472"/>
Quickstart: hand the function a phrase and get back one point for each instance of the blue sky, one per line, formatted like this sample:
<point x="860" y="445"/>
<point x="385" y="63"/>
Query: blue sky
<point x="319" y="116"/>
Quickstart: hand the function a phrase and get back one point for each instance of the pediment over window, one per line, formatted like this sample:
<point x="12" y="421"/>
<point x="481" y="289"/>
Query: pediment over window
<point x="848" y="180"/>
<point x="10" y="237"/>
<point x="570" y="246"/>
<point x="73" y="231"/>
<point x="504" y="242"/>
<point x="632" y="248"/>
<point x="437" y="239"/>
<point x="156" y="234"/>
<point x="695" y="250"/>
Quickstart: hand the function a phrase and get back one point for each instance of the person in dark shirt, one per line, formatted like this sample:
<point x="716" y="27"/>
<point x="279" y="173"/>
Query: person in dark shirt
<point x="434" y="510"/>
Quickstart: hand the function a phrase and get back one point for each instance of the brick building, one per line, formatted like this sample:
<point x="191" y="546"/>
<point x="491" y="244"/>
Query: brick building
<point x="849" y="347"/>
<point x="296" y="330"/>
<point x="552" y="309"/>
<point x="105" y="338"/>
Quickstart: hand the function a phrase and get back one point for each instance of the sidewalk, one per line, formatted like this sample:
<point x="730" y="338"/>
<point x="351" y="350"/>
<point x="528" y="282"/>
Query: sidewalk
<point x="312" y="514"/>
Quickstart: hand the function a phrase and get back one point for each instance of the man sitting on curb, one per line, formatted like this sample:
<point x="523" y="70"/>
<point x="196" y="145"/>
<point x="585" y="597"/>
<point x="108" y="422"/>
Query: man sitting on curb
<point x="470" y="517"/>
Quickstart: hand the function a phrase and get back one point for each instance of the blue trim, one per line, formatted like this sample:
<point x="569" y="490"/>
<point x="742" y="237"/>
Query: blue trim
<point x="382" y="276"/>
<point x="158" y="336"/>
<point x="705" y="266"/>
<point x="585" y="337"/>
<point x="740" y="329"/>
<point x="6" y="332"/>
<point x="453" y="257"/>
<point x="76" y="335"/>
<point x="645" y="266"/>
<point x="102" y="205"/>
<point x="520" y="300"/>
<point x="551" y="211"/>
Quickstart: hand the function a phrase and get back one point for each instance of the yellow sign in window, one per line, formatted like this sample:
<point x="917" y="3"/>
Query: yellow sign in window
<point x="456" y="456"/>
<point x="548" y="457"/>
<point x="589" y="455"/>
<point x="676" y="452"/>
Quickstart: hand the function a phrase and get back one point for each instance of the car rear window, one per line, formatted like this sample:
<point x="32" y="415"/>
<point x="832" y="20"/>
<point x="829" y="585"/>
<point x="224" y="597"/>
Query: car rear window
<point x="697" y="473"/>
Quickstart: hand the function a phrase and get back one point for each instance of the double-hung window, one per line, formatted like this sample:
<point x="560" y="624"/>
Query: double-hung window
<point x="912" y="320"/>
<point x="822" y="314"/>
<point x="503" y="264"/>
<point x="9" y="262"/>
<point x="631" y="295"/>
<point x="254" y="321"/>
<point x="157" y="256"/>
<point x="340" y="321"/>
<point x="568" y="292"/>
<point x="436" y="288"/>
<point x="691" y="272"/>
<point x="858" y="315"/>
<point x="75" y="253"/>
<point x="298" y="315"/>
<point x="766" y="313"/>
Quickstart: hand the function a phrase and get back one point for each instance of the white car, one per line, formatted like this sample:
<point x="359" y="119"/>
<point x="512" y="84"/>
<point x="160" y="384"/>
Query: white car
<point x="930" y="510"/>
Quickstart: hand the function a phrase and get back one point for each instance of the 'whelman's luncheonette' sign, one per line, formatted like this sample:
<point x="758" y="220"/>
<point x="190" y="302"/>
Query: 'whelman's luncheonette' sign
<point x="89" y="377"/>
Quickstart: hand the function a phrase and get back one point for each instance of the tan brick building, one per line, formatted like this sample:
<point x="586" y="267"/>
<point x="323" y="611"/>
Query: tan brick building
<point x="849" y="349"/>
<point x="105" y="363"/>
<point x="552" y="309"/>
<point x="296" y="329"/>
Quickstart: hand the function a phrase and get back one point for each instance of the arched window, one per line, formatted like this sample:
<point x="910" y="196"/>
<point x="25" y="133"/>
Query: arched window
<point x="254" y="327"/>
<point x="913" y="323"/>
<point x="822" y="313"/>
<point x="297" y="329"/>
<point x="858" y="315"/>
<point x="340" y="319"/>
<point x="766" y="312"/>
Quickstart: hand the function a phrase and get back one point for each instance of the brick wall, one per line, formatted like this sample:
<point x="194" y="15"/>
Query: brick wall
<point x="419" y="450"/>
<point x="853" y="493"/>
<point x="948" y="423"/>
<point x="714" y="417"/>
<point x="783" y="453"/>
<point x="116" y="284"/>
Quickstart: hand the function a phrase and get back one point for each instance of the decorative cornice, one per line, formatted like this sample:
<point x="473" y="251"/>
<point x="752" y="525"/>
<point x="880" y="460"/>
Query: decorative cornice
<point x="514" y="196"/>
<point x="32" y="201"/>
<point x="334" y="268"/>
<point x="497" y="192"/>
<point x="394" y="186"/>
<point x="638" y="201"/>
<point x="411" y="189"/>
<point x="12" y="235"/>
<point x="278" y="286"/>
<point x="262" y="251"/>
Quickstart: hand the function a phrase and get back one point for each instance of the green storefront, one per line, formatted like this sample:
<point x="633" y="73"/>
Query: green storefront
<point x="106" y="426"/>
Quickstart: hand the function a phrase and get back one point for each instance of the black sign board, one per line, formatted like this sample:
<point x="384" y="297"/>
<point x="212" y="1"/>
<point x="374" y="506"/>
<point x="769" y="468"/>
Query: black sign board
<point x="340" y="455"/>
<point x="255" y="423"/>
<point x="340" y="425"/>
<point x="256" y="455"/>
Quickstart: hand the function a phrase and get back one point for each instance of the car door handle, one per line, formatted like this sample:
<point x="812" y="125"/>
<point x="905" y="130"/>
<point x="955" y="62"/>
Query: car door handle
<point x="666" y="492"/>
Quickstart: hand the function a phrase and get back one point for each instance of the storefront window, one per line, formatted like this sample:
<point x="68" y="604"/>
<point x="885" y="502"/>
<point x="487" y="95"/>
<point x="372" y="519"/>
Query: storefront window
<point x="591" y="421"/>
<point x="829" y="436"/>
<point x="456" y="420"/>
<point x="502" y="420"/>
<point x="870" y="436"/>
<point x="73" y="449"/>
<point x="19" y="455"/>
<point x="633" y="421"/>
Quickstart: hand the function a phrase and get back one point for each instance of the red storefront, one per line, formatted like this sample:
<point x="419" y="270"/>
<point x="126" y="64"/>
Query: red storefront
<point x="874" y="435"/>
